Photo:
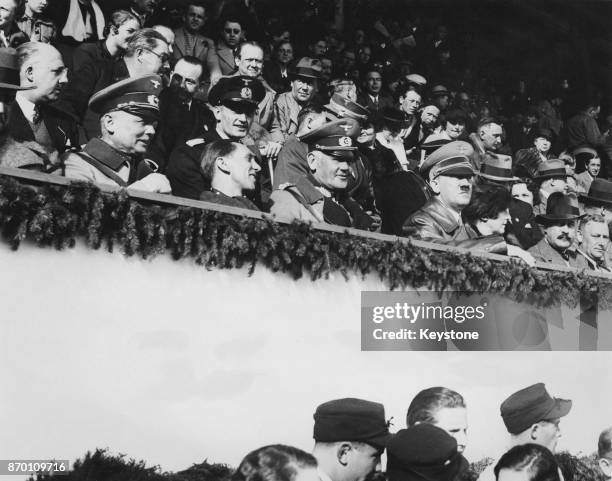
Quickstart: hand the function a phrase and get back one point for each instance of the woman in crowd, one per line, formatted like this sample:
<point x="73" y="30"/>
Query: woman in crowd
<point x="277" y="463"/>
<point x="527" y="191"/>
<point x="527" y="462"/>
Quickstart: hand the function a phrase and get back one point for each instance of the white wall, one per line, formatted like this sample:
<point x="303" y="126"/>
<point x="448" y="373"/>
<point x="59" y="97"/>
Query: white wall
<point x="171" y="363"/>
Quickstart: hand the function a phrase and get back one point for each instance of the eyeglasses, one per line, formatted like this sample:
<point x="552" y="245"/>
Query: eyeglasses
<point x="164" y="57"/>
<point x="235" y="31"/>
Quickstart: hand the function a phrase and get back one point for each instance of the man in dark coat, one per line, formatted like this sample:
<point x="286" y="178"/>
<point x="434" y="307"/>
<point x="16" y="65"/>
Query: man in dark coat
<point x="234" y="101"/>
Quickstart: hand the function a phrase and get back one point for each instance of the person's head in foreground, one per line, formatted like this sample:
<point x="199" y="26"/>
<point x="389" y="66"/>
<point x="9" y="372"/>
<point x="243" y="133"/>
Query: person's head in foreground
<point x="443" y="408"/>
<point x="350" y="436"/>
<point x="527" y="462"/>
<point x="531" y="415"/>
<point x="277" y="463"/>
<point x="604" y="452"/>
<point x="230" y="167"/>
<point x="423" y="452"/>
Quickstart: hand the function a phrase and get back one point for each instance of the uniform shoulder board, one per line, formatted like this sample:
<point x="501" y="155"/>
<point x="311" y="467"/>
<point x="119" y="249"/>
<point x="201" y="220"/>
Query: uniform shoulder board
<point x="194" y="142"/>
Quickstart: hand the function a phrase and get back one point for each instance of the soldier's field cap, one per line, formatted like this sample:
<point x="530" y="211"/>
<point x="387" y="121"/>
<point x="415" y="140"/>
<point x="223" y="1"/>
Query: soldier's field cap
<point x="530" y="405"/>
<point x="423" y="452"/>
<point x="551" y="169"/>
<point x="9" y="70"/>
<point x="450" y="159"/>
<point x="344" y="107"/>
<point x="239" y="89"/>
<point x="137" y="96"/>
<point x="308" y="68"/>
<point x="351" y="419"/>
<point x="335" y="138"/>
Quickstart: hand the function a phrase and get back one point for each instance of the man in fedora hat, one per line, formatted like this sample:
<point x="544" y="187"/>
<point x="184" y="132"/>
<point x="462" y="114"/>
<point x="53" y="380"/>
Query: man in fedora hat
<point x="531" y="415"/>
<point x="559" y="223"/>
<point x="234" y="101"/>
<point x="424" y="452"/>
<point x="588" y="157"/>
<point x="350" y="436"/>
<point x="304" y="79"/>
<point x="129" y="112"/>
<point x="598" y="200"/>
<point x="551" y="177"/>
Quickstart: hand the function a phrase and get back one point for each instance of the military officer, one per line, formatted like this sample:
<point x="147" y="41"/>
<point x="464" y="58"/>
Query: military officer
<point x="129" y="113"/>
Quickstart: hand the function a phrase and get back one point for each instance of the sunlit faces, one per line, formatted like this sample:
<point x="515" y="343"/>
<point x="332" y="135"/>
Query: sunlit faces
<point x="430" y="115"/>
<point x="311" y="474"/>
<point x="521" y="192"/>
<point x="241" y="166"/>
<point x="595" y="238"/>
<point x="234" y="118"/>
<point x="512" y="475"/>
<point x="129" y="133"/>
<point x="37" y="6"/>
<point x="250" y="60"/>
<point x="454" y="422"/>
<point x="374" y="83"/>
<point x="542" y="144"/>
<point x="232" y="34"/>
<point x="410" y="102"/>
<point x="7" y="12"/>
<point x="124" y="32"/>
<point x="594" y="166"/>
<point x="497" y="225"/>
<point x="332" y="173"/>
<point x="560" y="235"/>
<point x="194" y="18"/>
<point x="155" y="59"/>
<point x="491" y="136"/>
<point x="454" y="130"/>
<point x="186" y="77"/>
<point x="303" y="89"/>
<point x="46" y="71"/>
<point x="558" y="184"/>
<point x="454" y="191"/>
<point x="547" y="434"/>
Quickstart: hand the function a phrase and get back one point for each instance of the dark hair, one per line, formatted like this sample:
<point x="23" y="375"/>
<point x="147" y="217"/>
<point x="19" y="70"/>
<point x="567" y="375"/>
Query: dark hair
<point x="537" y="461"/>
<point x="604" y="446"/>
<point x="197" y="3"/>
<point x="118" y="18"/>
<point x="487" y="201"/>
<point x="273" y="463"/>
<point x="455" y="116"/>
<point x="191" y="60"/>
<point x="428" y="402"/>
<point x="211" y="152"/>
<point x="145" y="38"/>
<point x="532" y="186"/>
<point x="312" y="108"/>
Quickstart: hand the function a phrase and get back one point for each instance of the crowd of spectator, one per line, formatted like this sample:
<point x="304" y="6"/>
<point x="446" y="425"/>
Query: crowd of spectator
<point x="375" y="127"/>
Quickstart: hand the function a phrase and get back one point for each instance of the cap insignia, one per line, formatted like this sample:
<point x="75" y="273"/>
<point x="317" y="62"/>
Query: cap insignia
<point x="246" y="93"/>
<point x="345" y="142"/>
<point x="153" y="100"/>
<point x="155" y="83"/>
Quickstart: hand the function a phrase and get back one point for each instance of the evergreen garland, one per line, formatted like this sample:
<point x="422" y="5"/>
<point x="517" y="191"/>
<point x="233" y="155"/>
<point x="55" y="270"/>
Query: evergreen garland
<point x="55" y="216"/>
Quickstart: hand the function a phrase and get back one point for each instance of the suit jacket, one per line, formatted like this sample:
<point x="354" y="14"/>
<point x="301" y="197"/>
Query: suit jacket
<point x="383" y="101"/>
<point x="583" y="182"/>
<point x="62" y="127"/>
<point x="544" y="252"/>
<point x="202" y="46"/>
<point x="225" y="56"/>
<point x="434" y="222"/>
<point x="285" y="122"/>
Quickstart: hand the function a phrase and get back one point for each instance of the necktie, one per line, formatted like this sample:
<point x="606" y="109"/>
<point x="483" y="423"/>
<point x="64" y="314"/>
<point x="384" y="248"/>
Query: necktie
<point x="37" y="118"/>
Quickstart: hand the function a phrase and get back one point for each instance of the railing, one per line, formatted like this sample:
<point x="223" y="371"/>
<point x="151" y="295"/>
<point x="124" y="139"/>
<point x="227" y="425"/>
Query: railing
<point x="32" y="177"/>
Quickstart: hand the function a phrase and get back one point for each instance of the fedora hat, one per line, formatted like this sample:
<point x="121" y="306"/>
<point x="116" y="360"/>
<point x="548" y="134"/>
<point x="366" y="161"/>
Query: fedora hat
<point x="9" y="71"/>
<point x="550" y="169"/>
<point x="600" y="192"/>
<point x="560" y="207"/>
<point x="497" y="167"/>
<point x="528" y="406"/>
<point x="309" y="68"/>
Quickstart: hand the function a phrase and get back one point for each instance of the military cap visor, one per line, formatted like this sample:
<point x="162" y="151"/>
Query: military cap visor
<point x="239" y="89"/>
<point x="139" y="96"/>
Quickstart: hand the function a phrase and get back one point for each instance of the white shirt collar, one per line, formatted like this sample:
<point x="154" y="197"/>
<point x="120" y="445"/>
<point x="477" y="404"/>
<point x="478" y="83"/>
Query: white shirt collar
<point x="28" y="108"/>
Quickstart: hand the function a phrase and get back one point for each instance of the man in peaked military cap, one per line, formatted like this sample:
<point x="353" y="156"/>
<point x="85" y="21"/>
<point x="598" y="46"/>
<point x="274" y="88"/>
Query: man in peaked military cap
<point x="331" y="148"/>
<point x="234" y="101"/>
<point x="423" y="452"/>
<point x="129" y="111"/>
<point x="531" y="415"/>
<point x="350" y="436"/>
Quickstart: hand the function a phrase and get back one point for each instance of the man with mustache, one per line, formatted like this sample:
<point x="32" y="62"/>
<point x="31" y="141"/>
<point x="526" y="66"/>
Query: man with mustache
<point x="234" y="101"/>
<point x="231" y="170"/>
<point x="32" y="118"/>
<point x="304" y="81"/>
<point x="559" y="226"/>
<point x="129" y="113"/>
